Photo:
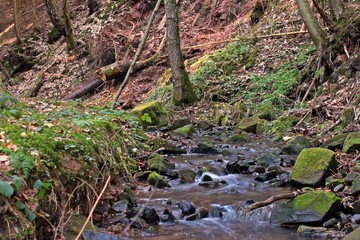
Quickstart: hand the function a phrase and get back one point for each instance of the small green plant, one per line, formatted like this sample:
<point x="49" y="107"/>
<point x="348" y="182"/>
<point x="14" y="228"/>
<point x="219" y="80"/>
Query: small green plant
<point x="6" y="189"/>
<point x="42" y="187"/>
<point x="146" y="118"/>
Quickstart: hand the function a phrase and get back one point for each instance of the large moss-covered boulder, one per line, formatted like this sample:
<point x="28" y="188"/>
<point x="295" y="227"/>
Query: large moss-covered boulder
<point x="310" y="208"/>
<point x="160" y="165"/>
<point x="335" y="142"/>
<point x="354" y="235"/>
<point x="167" y="147"/>
<point x="152" y="114"/>
<point x="296" y="144"/>
<point x="312" y="166"/>
<point x="250" y="124"/>
<point x="352" y="142"/>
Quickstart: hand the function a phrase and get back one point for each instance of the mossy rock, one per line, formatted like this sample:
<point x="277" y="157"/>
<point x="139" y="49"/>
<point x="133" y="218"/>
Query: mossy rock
<point x="168" y="147"/>
<point x="312" y="166"/>
<point x="296" y="144"/>
<point x="74" y="225"/>
<point x="221" y="111"/>
<point x="250" y="124"/>
<point x="178" y="123"/>
<point x="355" y="188"/>
<point x="160" y="165"/>
<point x="185" y="131"/>
<point x="266" y="112"/>
<point x="310" y="208"/>
<point x="239" y="111"/>
<point x="186" y="175"/>
<point x="316" y="232"/>
<point x="347" y="116"/>
<point x="283" y="124"/>
<point x="352" y="142"/>
<point x="335" y="142"/>
<point x="239" y="138"/>
<point x="157" y="180"/>
<point x="204" y="125"/>
<point x="354" y="235"/>
<point x="159" y="115"/>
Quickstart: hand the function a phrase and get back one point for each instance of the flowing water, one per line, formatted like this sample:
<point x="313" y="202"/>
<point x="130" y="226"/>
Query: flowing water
<point x="226" y="201"/>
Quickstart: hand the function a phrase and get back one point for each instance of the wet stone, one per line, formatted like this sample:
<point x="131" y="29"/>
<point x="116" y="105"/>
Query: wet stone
<point x="121" y="206"/>
<point x="268" y="159"/>
<point x="356" y="207"/>
<point x="187" y="208"/>
<point x="339" y="188"/>
<point x="186" y="175"/>
<point x="139" y="223"/>
<point x="167" y="216"/>
<point x="118" y="218"/>
<point x="150" y="216"/>
<point x="355" y="218"/>
<point x="266" y="176"/>
<point x="350" y="177"/>
<point x="330" y="223"/>
<point x="205" y="148"/>
<point x="257" y="169"/>
<point x="202" y="212"/>
<point x="94" y="235"/>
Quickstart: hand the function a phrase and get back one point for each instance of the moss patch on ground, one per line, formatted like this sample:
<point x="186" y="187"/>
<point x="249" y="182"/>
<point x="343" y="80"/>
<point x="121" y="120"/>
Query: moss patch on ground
<point x="49" y="151"/>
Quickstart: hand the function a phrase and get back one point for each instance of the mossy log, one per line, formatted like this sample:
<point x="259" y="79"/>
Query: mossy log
<point x="115" y="71"/>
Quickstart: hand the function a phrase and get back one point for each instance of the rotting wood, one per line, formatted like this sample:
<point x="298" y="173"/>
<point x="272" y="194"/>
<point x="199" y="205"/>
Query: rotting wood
<point x="273" y="199"/>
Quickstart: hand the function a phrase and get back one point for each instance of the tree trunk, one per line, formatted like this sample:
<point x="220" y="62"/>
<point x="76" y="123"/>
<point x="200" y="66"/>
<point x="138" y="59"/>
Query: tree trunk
<point x="183" y="89"/>
<point x="336" y="8"/>
<point x="68" y="27"/>
<point x="16" y="22"/>
<point x="34" y="15"/>
<point x="311" y="23"/>
<point x="55" y="18"/>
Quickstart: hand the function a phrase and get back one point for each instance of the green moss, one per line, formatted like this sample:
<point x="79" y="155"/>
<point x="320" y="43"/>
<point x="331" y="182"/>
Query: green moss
<point x="186" y="130"/>
<point x="251" y="124"/>
<point x="156" y="111"/>
<point x="281" y="125"/>
<point x="157" y="163"/>
<point x="318" y="201"/>
<point x="157" y="180"/>
<point x="352" y="142"/>
<point x="312" y="166"/>
<point x="239" y="138"/>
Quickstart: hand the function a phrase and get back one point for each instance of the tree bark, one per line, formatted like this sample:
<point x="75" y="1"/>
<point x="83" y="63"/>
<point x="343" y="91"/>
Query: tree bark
<point x="183" y="89"/>
<point x="336" y="8"/>
<point x="68" y="27"/>
<point x="311" y="23"/>
<point x="16" y="22"/>
<point x="55" y="18"/>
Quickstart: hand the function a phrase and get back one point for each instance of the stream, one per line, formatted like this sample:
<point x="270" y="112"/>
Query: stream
<point x="225" y="199"/>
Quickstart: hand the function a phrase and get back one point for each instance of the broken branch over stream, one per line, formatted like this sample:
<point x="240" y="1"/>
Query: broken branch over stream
<point x="272" y="199"/>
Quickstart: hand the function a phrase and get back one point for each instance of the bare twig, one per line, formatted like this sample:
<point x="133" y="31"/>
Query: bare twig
<point x="93" y="208"/>
<point x="138" y="53"/>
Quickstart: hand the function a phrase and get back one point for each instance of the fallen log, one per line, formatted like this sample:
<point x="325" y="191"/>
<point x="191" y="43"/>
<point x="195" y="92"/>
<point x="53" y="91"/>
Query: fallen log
<point x="115" y="71"/>
<point x="273" y="199"/>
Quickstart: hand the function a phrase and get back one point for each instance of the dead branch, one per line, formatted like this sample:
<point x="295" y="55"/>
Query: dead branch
<point x="273" y="199"/>
<point x="138" y="53"/>
<point x="93" y="208"/>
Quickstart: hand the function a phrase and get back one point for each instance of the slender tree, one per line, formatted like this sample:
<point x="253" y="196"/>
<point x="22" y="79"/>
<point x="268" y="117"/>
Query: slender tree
<point x="16" y="22"/>
<point x="311" y="23"/>
<point x="68" y="27"/>
<point x="55" y="17"/>
<point x="183" y="89"/>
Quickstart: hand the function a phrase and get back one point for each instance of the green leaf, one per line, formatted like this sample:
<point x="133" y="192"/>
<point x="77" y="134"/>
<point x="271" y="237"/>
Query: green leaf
<point x="29" y="214"/>
<point x="6" y="189"/>
<point x="41" y="193"/>
<point x="17" y="181"/>
<point x="146" y="117"/>
<point x="38" y="184"/>
<point x="20" y="205"/>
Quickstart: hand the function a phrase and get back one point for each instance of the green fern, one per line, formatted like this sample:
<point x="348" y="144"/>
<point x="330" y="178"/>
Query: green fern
<point x="23" y="162"/>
